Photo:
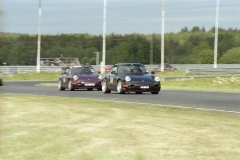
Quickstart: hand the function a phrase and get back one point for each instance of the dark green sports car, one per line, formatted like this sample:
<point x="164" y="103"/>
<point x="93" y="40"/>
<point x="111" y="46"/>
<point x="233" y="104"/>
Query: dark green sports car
<point x="130" y="77"/>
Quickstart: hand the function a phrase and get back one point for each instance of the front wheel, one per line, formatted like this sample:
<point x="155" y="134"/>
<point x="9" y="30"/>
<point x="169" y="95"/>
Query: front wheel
<point x="119" y="87"/>
<point x="70" y="87"/>
<point x="105" y="88"/>
<point x="60" y="87"/>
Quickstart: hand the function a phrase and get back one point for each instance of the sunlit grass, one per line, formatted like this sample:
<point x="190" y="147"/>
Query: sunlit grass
<point x="36" y="127"/>
<point x="230" y="84"/>
<point x="32" y="76"/>
<point x="172" y="74"/>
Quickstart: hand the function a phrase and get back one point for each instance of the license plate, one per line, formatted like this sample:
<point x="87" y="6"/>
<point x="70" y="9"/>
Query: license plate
<point x="144" y="87"/>
<point x="90" y="84"/>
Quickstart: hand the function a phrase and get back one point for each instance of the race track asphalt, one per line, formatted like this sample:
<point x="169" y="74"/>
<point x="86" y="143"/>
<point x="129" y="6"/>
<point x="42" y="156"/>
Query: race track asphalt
<point x="229" y="102"/>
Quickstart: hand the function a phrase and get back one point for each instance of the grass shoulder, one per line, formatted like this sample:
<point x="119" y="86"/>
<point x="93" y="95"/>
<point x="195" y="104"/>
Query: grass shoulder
<point x="100" y="129"/>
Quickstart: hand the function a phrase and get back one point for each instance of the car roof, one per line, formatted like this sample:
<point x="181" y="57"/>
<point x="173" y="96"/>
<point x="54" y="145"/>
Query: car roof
<point x="80" y="66"/>
<point x="126" y="63"/>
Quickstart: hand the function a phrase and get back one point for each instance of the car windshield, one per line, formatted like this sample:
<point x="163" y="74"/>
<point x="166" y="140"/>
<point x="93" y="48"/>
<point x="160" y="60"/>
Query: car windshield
<point x="132" y="69"/>
<point x="80" y="70"/>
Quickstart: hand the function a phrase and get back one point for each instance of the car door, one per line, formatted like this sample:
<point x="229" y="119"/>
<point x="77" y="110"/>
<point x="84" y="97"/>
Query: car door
<point x="115" y="77"/>
<point x="112" y="77"/>
<point x="65" y="77"/>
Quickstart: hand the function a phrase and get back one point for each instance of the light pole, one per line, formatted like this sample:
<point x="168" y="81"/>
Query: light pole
<point x="162" y="40"/>
<point x="39" y="37"/>
<point x="104" y="37"/>
<point x="216" y="36"/>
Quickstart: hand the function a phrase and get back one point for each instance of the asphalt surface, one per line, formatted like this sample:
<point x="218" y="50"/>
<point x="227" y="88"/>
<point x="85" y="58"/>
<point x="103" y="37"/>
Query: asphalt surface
<point x="229" y="102"/>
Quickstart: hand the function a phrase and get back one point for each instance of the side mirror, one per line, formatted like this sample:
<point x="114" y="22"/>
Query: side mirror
<point x="152" y="72"/>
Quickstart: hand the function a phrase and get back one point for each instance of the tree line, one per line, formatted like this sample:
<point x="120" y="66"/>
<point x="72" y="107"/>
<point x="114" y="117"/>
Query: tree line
<point x="194" y="46"/>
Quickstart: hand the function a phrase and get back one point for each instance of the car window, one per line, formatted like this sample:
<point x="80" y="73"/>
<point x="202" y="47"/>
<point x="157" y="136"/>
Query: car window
<point x="86" y="70"/>
<point x="114" y="69"/>
<point x="124" y="69"/>
<point x="92" y="70"/>
<point x="68" y="71"/>
<point x="132" y="69"/>
<point x="143" y="68"/>
<point x="76" y="70"/>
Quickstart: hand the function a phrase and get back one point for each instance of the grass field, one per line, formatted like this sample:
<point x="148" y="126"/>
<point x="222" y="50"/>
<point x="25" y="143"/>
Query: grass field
<point x="218" y="84"/>
<point x="50" y="128"/>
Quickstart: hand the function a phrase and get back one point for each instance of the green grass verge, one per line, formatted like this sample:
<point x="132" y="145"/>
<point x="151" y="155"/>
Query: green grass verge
<point x="230" y="84"/>
<point x="37" y="127"/>
<point x="43" y="76"/>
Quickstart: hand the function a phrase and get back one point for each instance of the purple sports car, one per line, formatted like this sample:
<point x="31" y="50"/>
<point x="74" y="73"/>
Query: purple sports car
<point x="79" y="77"/>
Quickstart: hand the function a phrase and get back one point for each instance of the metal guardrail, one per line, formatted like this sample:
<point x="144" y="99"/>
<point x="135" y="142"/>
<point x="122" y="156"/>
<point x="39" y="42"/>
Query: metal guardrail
<point x="199" y="71"/>
<point x="11" y="70"/>
<point x="188" y="68"/>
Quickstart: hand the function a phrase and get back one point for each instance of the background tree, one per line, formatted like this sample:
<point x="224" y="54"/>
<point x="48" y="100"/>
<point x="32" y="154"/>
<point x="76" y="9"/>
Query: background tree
<point x="206" y="56"/>
<point x="232" y="56"/>
<point x="187" y="46"/>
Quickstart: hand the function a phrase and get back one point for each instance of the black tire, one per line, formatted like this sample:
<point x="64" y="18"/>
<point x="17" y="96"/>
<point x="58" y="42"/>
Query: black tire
<point x="60" y="87"/>
<point x="119" y="87"/>
<point x="70" y="87"/>
<point x="138" y="92"/>
<point x="90" y="89"/>
<point x="99" y="89"/>
<point x="105" y="88"/>
<point x="154" y="92"/>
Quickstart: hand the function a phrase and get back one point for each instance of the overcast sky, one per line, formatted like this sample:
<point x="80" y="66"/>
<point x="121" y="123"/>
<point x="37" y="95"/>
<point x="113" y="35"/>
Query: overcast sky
<point x="123" y="16"/>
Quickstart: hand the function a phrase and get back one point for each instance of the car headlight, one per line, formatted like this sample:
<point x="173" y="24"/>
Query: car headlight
<point x="127" y="78"/>
<point x="75" y="78"/>
<point x="100" y="77"/>
<point x="157" y="79"/>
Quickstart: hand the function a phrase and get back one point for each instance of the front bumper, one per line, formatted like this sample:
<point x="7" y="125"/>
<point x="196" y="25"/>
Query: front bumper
<point x="141" y="87"/>
<point x="83" y="85"/>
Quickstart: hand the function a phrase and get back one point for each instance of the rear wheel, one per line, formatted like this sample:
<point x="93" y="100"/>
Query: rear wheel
<point x="105" y="88"/>
<point x="138" y="92"/>
<point x="70" y="87"/>
<point x="119" y="87"/>
<point x="90" y="89"/>
<point x="60" y="87"/>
